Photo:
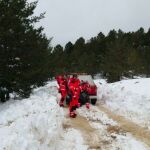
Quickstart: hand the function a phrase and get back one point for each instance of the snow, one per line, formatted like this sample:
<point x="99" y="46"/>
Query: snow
<point x="130" y="98"/>
<point x="33" y="123"/>
<point x="94" y="114"/>
<point x="129" y="143"/>
<point x="38" y="122"/>
<point x="72" y="140"/>
<point x="100" y="121"/>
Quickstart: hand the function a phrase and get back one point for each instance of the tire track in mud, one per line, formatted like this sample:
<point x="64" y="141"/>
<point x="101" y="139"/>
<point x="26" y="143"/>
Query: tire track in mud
<point x="140" y="133"/>
<point x="89" y="134"/>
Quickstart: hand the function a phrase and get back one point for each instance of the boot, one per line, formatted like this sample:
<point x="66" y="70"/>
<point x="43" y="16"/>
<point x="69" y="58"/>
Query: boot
<point x="73" y="114"/>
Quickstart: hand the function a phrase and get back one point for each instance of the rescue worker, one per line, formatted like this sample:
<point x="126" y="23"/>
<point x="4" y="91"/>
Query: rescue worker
<point x="72" y="82"/>
<point x="62" y="89"/>
<point x="74" y="79"/>
<point x="75" y="92"/>
<point x="59" y="78"/>
<point x="74" y="103"/>
<point x="69" y="95"/>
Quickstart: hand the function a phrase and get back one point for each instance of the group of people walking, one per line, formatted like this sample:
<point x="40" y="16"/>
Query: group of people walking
<point x="71" y="89"/>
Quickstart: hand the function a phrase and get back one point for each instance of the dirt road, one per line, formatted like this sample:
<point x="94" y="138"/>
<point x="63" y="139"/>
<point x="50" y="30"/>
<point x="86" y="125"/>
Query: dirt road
<point x="137" y="131"/>
<point x="89" y="134"/>
<point x="105" y="135"/>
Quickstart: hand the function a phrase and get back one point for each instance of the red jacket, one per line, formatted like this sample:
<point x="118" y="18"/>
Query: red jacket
<point x="73" y="82"/>
<point x="59" y="79"/>
<point x="76" y="92"/>
<point x="85" y="86"/>
<point x="62" y="87"/>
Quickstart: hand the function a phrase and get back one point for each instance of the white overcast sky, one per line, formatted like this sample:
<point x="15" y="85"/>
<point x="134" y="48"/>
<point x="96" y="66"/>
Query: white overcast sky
<point x="67" y="20"/>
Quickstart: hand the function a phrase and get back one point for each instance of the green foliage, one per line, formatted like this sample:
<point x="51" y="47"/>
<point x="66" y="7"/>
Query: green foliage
<point x="24" y="50"/>
<point x="115" y="56"/>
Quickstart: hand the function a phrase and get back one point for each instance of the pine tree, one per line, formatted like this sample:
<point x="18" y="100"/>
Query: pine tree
<point x="67" y="56"/>
<point x="115" y="59"/>
<point x="24" y="50"/>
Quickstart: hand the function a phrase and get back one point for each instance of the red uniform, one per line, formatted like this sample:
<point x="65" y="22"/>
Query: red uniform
<point x="74" y="101"/>
<point x="74" y="81"/>
<point x="75" y="92"/>
<point x="62" y="89"/>
<point x="59" y="79"/>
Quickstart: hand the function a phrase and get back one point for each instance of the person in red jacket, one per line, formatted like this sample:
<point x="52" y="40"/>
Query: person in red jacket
<point x="75" y="92"/>
<point x="74" y="79"/>
<point x="58" y="79"/>
<point x="62" y="89"/>
<point x="74" y="101"/>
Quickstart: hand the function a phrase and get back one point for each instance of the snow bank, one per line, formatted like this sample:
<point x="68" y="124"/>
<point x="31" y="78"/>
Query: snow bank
<point x="130" y="98"/>
<point x="34" y="123"/>
<point x="37" y="123"/>
<point x="128" y="142"/>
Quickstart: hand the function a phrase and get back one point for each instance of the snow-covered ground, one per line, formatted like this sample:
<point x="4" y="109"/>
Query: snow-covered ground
<point x="39" y="123"/>
<point x="36" y="123"/>
<point x="112" y="137"/>
<point x="129" y="98"/>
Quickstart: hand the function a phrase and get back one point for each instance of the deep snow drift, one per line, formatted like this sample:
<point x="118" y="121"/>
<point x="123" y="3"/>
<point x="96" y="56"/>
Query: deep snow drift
<point x="33" y="123"/>
<point x="36" y="123"/>
<point x="130" y="98"/>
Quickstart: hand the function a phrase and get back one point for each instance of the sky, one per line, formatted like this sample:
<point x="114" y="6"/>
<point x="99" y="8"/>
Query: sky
<point x="67" y="20"/>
